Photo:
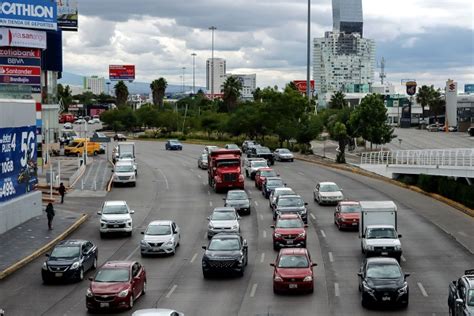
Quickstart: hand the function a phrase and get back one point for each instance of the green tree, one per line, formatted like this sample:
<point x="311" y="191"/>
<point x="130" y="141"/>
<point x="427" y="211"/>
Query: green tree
<point x="338" y="101"/>
<point x="158" y="88"/>
<point x="437" y="104"/>
<point x="231" y="90"/>
<point x="257" y="95"/>
<point x="65" y="96"/>
<point x="147" y="115"/>
<point x="121" y="93"/>
<point x="339" y="133"/>
<point x="308" y="129"/>
<point x="425" y="97"/>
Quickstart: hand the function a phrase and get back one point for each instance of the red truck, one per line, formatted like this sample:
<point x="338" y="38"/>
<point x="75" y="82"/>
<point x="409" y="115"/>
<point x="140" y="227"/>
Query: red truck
<point x="224" y="169"/>
<point x="66" y="118"/>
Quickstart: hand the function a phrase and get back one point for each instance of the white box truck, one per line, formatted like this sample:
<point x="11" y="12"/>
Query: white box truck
<point x="378" y="229"/>
<point x="126" y="153"/>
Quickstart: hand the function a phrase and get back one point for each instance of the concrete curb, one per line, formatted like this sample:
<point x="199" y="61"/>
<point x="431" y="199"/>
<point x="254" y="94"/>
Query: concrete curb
<point x="468" y="211"/>
<point x="16" y="266"/>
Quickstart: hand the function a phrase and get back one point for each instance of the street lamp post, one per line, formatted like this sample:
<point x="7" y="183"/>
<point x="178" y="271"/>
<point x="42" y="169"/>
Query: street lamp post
<point x="184" y="68"/>
<point x="212" y="28"/>
<point x="194" y="72"/>
<point x="308" y="57"/>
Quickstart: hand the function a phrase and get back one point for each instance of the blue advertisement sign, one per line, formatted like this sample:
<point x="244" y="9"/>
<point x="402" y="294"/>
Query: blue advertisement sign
<point x="31" y="14"/>
<point x="469" y="88"/>
<point x="18" y="168"/>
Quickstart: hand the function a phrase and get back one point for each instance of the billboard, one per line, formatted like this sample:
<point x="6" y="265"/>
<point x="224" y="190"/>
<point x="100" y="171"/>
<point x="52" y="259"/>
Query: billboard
<point x="30" y="14"/>
<point x="21" y="66"/>
<point x="301" y="85"/>
<point x="67" y="15"/>
<point x="469" y="88"/>
<point x="18" y="168"/>
<point x="122" y="72"/>
<point x="22" y="38"/>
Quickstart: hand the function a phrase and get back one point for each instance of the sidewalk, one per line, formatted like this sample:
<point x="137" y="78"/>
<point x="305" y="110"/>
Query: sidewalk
<point x="32" y="239"/>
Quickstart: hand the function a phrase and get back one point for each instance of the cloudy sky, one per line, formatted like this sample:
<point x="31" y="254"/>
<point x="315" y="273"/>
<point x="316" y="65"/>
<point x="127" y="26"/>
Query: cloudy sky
<point x="426" y="40"/>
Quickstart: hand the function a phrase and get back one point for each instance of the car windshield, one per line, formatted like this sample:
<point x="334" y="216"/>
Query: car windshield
<point x="268" y="173"/>
<point x="158" y="230"/>
<point x="289" y="223"/>
<point x="284" y="192"/>
<point x="115" y="209"/>
<point x="293" y="261"/>
<point x="329" y="188"/>
<point x="237" y="195"/>
<point x="223" y="216"/>
<point x="284" y="151"/>
<point x="353" y="208"/>
<point x="126" y="155"/>
<point x="112" y="275"/>
<point x="259" y="164"/>
<point x="232" y="146"/>
<point x="173" y="142"/>
<point x="65" y="252"/>
<point x="228" y="163"/>
<point x="124" y="168"/>
<point x="470" y="297"/>
<point x="224" y="244"/>
<point x="274" y="183"/>
<point x="263" y="150"/>
<point x="383" y="271"/>
<point x="204" y="157"/>
<point x="292" y="201"/>
<point x="378" y="233"/>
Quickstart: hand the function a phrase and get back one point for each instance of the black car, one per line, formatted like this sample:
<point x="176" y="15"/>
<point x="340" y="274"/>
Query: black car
<point x="239" y="200"/>
<point x="262" y="152"/>
<point x="382" y="281"/>
<point x="173" y="144"/>
<point x="470" y="131"/>
<point x="69" y="260"/>
<point x="461" y="295"/>
<point x="291" y="204"/>
<point x="226" y="253"/>
<point x="270" y="184"/>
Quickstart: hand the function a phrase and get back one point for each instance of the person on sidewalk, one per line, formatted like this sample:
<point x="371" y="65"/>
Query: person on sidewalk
<point x="50" y="214"/>
<point x="62" y="191"/>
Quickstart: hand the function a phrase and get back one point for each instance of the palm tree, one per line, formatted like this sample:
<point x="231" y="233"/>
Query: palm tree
<point x="438" y="104"/>
<point x="338" y="101"/>
<point x="231" y="90"/>
<point x="158" y="88"/>
<point x="424" y="97"/>
<point x="121" y="93"/>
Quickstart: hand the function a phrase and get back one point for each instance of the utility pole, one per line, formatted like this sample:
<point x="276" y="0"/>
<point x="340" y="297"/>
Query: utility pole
<point x="212" y="28"/>
<point x="194" y="72"/>
<point x="308" y="57"/>
<point x="184" y="68"/>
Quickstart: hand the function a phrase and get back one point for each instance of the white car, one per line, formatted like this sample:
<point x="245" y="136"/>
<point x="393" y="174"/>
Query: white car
<point x="327" y="193"/>
<point x="80" y="121"/>
<point x="94" y="121"/>
<point x="277" y="192"/>
<point x="125" y="173"/>
<point x="115" y="217"/>
<point x="67" y="126"/>
<point x="283" y="154"/>
<point x="223" y="220"/>
<point x="252" y="165"/>
<point x="160" y="237"/>
<point x="157" y="312"/>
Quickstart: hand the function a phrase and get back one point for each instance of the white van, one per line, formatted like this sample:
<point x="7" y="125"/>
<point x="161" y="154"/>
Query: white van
<point x="125" y="173"/>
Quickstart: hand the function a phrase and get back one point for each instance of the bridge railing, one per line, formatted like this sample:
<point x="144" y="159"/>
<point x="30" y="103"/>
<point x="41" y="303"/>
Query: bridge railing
<point x="453" y="157"/>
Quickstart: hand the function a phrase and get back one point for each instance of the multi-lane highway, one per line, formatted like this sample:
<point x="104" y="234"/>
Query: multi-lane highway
<point x="170" y="186"/>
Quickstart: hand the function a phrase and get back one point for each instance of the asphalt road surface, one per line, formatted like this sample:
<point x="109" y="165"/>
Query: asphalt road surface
<point x="170" y="186"/>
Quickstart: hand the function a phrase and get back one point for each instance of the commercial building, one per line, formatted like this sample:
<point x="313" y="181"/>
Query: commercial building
<point x="347" y="16"/>
<point x="216" y="77"/>
<point x="94" y="84"/>
<point x="249" y="84"/>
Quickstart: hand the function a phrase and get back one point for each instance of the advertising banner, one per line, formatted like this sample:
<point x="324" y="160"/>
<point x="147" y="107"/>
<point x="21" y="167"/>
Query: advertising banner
<point x="301" y="85"/>
<point x="30" y="14"/>
<point x="68" y="15"/>
<point x="21" y="66"/>
<point x="18" y="169"/>
<point x="22" y="38"/>
<point x="122" y="72"/>
<point x="411" y="87"/>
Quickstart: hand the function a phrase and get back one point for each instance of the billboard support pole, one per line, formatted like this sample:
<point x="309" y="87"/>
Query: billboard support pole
<point x="51" y="181"/>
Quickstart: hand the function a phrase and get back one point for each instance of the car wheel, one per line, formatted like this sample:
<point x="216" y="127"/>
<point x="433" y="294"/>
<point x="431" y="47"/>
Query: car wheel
<point x="94" y="264"/>
<point x="95" y="153"/>
<point x="291" y="160"/>
<point x="311" y="290"/>
<point x="241" y="272"/>
<point x="364" y="302"/>
<point x="275" y="291"/>
<point x="81" y="275"/>
<point x="45" y="281"/>
<point x="102" y="235"/>
<point x="275" y="247"/>
<point x="130" y="302"/>
<point x="129" y="234"/>
<point x="142" y="254"/>
<point x="205" y="274"/>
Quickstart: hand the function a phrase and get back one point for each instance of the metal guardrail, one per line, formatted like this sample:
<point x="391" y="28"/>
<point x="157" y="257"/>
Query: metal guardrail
<point x="450" y="158"/>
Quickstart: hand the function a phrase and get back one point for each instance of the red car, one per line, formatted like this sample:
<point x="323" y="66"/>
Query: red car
<point x="116" y="286"/>
<point x="262" y="174"/>
<point x="347" y="215"/>
<point x="289" y="231"/>
<point x="293" y="271"/>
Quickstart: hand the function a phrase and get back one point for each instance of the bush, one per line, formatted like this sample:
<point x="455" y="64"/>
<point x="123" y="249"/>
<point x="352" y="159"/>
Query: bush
<point x="428" y="183"/>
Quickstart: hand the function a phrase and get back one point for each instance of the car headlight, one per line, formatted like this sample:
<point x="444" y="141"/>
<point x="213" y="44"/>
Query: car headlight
<point x="144" y="243"/>
<point x="303" y="211"/>
<point x="169" y="242"/>
<point x="302" y="234"/>
<point x="309" y="278"/>
<point x="403" y="289"/>
<point x="89" y="293"/>
<point x="235" y="227"/>
<point x="277" y="235"/>
<point x="398" y="247"/>
<point x="277" y="278"/>
<point x="129" y="222"/>
<point x="45" y="266"/>
<point x="123" y="293"/>
<point x="103" y="221"/>
<point x="75" y="265"/>
<point x="210" y="226"/>
<point x="367" y="288"/>
<point x="369" y="247"/>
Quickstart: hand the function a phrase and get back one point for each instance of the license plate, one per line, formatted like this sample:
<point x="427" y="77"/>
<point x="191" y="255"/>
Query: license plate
<point x="289" y="242"/>
<point x="293" y="286"/>
<point x="115" y="226"/>
<point x="58" y="274"/>
<point x="354" y="224"/>
<point x="104" y="304"/>
<point x="384" y="253"/>
<point x="386" y="298"/>
<point x="156" y="248"/>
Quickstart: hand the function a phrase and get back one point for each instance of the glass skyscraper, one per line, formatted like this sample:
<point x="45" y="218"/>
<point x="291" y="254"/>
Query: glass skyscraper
<point x="347" y="16"/>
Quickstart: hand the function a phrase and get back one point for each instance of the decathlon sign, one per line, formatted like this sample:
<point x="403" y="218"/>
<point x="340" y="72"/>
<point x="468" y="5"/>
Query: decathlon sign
<point x="32" y="14"/>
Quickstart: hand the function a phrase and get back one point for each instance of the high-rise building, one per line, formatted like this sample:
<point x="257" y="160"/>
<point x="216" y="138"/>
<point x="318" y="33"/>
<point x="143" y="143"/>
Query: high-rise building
<point x="249" y="84"/>
<point x="219" y="75"/>
<point x="340" y="60"/>
<point x="347" y="16"/>
<point x="94" y="84"/>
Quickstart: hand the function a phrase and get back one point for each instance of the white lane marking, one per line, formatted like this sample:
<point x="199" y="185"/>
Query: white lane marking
<point x="199" y="176"/>
<point x="331" y="258"/>
<point x="403" y="258"/>
<point x="264" y="234"/>
<point x="254" y="289"/>
<point x="301" y="173"/>
<point x="171" y="291"/>
<point x="132" y="253"/>
<point x="210" y="203"/>
<point x="205" y="235"/>
<point x="422" y="289"/>
<point x="256" y="203"/>
<point x="323" y="233"/>
<point x="463" y="234"/>
<point x="166" y="179"/>
<point x="336" y="289"/>
<point x="204" y="183"/>
<point x="208" y="192"/>
<point x="262" y="257"/>
<point x="312" y="216"/>
<point x="261" y="217"/>
<point x="193" y="258"/>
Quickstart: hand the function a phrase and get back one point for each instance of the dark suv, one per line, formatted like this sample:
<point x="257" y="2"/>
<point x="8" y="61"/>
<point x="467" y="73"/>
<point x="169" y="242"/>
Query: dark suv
<point x="262" y="152"/>
<point x="69" y="260"/>
<point x="291" y="204"/>
<point x="226" y="253"/>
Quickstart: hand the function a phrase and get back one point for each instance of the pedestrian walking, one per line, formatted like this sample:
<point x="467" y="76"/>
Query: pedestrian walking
<point x="50" y="214"/>
<point x="62" y="191"/>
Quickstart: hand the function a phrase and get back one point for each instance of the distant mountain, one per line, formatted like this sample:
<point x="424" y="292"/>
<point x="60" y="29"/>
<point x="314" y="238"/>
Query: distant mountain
<point x="133" y="87"/>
